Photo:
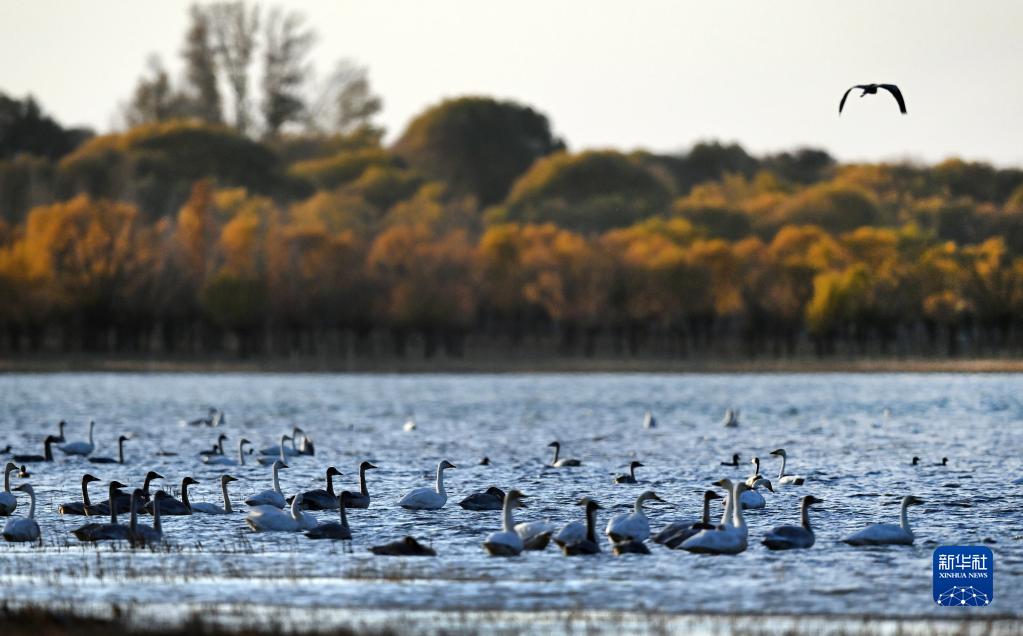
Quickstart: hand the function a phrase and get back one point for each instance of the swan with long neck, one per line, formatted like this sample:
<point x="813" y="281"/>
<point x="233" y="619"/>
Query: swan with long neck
<point x="267" y="460"/>
<point x="634" y="526"/>
<point x="428" y="498"/>
<point x="587" y="545"/>
<point x="360" y="499"/>
<point x="734" y="463"/>
<point x="112" y="531"/>
<point x="79" y="507"/>
<point x="561" y="462"/>
<point x="273" y="497"/>
<point x="322" y="499"/>
<point x="224" y="460"/>
<point x="171" y="506"/>
<point x="47" y="455"/>
<point x="756" y="472"/>
<point x="727" y="538"/>
<point x="110" y="460"/>
<point x="794" y="537"/>
<point x="207" y="508"/>
<point x="887" y="533"/>
<point x="272" y="519"/>
<point x="81" y="448"/>
<point x="675" y="533"/>
<point x="339" y="530"/>
<point x="218" y="448"/>
<point x="281" y="449"/>
<point x="507" y="542"/>
<point x="20" y="530"/>
<point x="141" y="534"/>
<point x="630" y="477"/>
<point x="783" y="479"/>
<point x="8" y="502"/>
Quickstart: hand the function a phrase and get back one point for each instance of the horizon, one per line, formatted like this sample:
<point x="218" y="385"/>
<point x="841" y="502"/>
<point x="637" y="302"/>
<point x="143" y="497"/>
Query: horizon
<point x="558" y="66"/>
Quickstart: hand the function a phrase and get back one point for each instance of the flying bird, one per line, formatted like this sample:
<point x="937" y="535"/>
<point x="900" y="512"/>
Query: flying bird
<point x="871" y="89"/>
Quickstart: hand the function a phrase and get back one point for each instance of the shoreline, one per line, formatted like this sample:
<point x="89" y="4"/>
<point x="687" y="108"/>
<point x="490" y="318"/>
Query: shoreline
<point x="83" y="363"/>
<point x="241" y="621"/>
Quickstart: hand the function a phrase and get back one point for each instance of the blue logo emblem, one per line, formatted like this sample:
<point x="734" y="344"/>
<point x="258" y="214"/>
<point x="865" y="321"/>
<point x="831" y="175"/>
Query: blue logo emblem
<point x="964" y="576"/>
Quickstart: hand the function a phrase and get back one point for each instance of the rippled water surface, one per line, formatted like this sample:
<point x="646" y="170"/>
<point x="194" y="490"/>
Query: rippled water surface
<point x="833" y="426"/>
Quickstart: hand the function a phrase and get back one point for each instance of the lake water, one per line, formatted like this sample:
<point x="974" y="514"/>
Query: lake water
<point x="856" y="458"/>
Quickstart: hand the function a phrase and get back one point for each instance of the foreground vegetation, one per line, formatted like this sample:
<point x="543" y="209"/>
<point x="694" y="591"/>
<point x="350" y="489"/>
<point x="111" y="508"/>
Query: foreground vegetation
<point x="295" y="233"/>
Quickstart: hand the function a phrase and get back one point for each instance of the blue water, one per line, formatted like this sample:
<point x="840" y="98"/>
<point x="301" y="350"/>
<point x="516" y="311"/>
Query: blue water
<point x="834" y="427"/>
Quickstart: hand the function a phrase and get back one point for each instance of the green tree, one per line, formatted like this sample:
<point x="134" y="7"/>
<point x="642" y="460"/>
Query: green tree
<point x="477" y="145"/>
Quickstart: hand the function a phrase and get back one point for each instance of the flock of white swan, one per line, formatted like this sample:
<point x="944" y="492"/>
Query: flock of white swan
<point x="272" y="511"/>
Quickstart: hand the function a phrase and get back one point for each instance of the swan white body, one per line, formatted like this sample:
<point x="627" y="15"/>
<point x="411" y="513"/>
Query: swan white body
<point x="21" y="530"/>
<point x="731" y="419"/>
<point x="224" y="460"/>
<point x="507" y="542"/>
<point x="794" y="537"/>
<point x="428" y="498"/>
<point x="729" y="538"/>
<point x="571" y="532"/>
<point x="268" y="460"/>
<point x="753" y="500"/>
<point x="634" y="526"/>
<point x="273" y="497"/>
<point x="213" y="509"/>
<point x="888" y="533"/>
<point x="281" y="449"/>
<point x="271" y="519"/>
<point x="783" y="479"/>
<point x="8" y="502"/>
<point x="536" y="535"/>
<point x="80" y="448"/>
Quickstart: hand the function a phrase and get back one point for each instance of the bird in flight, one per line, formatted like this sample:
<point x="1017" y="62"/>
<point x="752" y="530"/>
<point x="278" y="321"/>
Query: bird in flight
<point x="871" y="89"/>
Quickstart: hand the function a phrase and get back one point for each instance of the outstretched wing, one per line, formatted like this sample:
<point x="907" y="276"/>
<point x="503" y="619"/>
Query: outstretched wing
<point x="894" y="90"/>
<point x="841" y="104"/>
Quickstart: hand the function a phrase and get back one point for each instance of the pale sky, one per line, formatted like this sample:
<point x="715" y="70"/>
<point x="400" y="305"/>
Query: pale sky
<point x="659" y="75"/>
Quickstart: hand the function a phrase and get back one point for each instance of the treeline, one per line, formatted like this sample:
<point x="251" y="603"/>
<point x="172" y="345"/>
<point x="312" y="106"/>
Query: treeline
<point x="476" y="231"/>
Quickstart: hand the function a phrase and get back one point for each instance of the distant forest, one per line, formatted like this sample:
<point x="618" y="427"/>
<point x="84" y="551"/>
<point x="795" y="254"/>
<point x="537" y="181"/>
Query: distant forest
<point x="251" y="208"/>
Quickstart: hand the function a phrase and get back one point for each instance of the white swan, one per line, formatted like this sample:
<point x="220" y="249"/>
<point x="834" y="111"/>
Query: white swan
<point x="269" y="460"/>
<point x="80" y="448"/>
<point x="535" y="535"/>
<point x="794" y="537"/>
<point x="728" y="538"/>
<point x="731" y="419"/>
<point x="8" y="502"/>
<point x="427" y="498"/>
<point x="753" y="500"/>
<point x="634" y="526"/>
<point x="562" y="462"/>
<point x="18" y="529"/>
<point x="224" y="460"/>
<point x="507" y="542"/>
<point x="287" y="451"/>
<point x="783" y="479"/>
<point x="888" y="533"/>
<point x="112" y="531"/>
<point x="271" y="519"/>
<point x="273" y="497"/>
<point x="213" y="509"/>
<point x="218" y="448"/>
<point x="649" y="421"/>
